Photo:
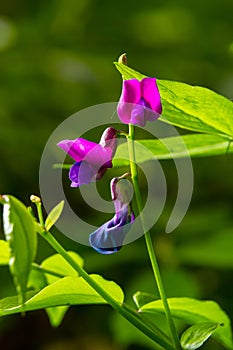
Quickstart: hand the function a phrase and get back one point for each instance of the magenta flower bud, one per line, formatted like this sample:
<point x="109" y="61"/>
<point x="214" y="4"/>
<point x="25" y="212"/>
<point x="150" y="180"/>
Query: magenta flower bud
<point x="91" y="159"/>
<point x="109" y="139"/>
<point x="108" y="238"/>
<point x="139" y="102"/>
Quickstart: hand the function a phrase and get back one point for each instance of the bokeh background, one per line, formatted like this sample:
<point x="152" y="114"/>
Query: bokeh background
<point x="55" y="59"/>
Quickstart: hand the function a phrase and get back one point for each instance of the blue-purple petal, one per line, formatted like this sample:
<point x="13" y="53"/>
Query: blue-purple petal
<point x="81" y="173"/>
<point x="109" y="238"/>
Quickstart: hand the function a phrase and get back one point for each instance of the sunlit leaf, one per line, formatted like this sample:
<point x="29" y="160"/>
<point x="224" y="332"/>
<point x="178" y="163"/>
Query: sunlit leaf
<point x="190" y="107"/>
<point x="57" y="264"/>
<point x="4" y="252"/>
<point x="66" y="291"/>
<point x="59" y="267"/>
<point x="37" y="279"/>
<point x="50" y="270"/>
<point x="54" y="215"/>
<point x="195" y="311"/>
<point x="195" y="336"/>
<point x="20" y="232"/>
<point x="196" y="108"/>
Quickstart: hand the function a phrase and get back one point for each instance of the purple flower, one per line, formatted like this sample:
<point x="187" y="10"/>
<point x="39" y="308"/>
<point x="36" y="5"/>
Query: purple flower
<point x="139" y="102"/>
<point x="91" y="159"/>
<point x="109" y="238"/>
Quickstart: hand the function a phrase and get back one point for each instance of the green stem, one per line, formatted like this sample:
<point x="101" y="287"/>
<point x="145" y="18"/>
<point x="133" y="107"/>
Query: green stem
<point x="131" y="315"/>
<point x="49" y="272"/>
<point x="149" y="244"/>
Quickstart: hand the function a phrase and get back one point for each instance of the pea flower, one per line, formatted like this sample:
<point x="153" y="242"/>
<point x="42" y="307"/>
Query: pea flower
<point x="139" y="102"/>
<point x="91" y="159"/>
<point x="109" y="238"/>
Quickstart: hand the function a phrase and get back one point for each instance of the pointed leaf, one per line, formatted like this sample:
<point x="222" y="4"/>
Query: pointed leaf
<point x="66" y="291"/>
<point x="195" y="311"/>
<point x="190" y="107"/>
<point x="128" y="73"/>
<point x="56" y="314"/>
<point x="20" y="232"/>
<point x="54" y="215"/>
<point x="195" y="336"/>
<point x="4" y="252"/>
<point x="196" y="108"/>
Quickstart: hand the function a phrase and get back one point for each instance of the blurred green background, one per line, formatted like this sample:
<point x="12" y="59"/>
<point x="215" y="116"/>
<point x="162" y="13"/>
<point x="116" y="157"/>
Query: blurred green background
<point x="55" y="59"/>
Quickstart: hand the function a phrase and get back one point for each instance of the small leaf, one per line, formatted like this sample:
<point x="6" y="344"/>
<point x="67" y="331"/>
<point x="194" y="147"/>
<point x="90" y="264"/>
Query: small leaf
<point x="54" y="215"/>
<point x="4" y="252"/>
<point x="66" y="291"/>
<point x="20" y="232"/>
<point x="195" y="336"/>
<point x="56" y="314"/>
<point x="195" y="311"/>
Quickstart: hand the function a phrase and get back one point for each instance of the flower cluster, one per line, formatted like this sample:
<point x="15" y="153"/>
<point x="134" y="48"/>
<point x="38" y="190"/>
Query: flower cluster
<point x="139" y="102"/>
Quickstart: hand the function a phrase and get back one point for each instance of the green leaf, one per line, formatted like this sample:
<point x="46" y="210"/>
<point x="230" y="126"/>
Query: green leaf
<point x="128" y="73"/>
<point x="195" y="336"/>
<point x="195" y="311"/>
<point x="193" y="145"/>
<point x="36" y="279"/>
<point x="190" y="107"/>
<point x="57" y="264"/>
<point x="20" y="232"/>
<point x="66" y="291"/>
<point x="56" y="267"/>
<point x="54" y="215"/>
<point x="4" y="252"/>
<point x="56" y="314"/>
<point x="196" y="108"/>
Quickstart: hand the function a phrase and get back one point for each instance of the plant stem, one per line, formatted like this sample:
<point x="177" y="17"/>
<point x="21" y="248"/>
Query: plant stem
<point x="42" y="269"/>
<point x="149" y="244"/>
<point x="131" y="315"/>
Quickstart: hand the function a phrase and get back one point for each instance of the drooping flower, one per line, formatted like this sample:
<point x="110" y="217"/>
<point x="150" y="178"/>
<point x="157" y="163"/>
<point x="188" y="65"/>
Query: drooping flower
<point x="139" y="102"/>
<point x="108" y="238"/>
<point x="91" y="159"/>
